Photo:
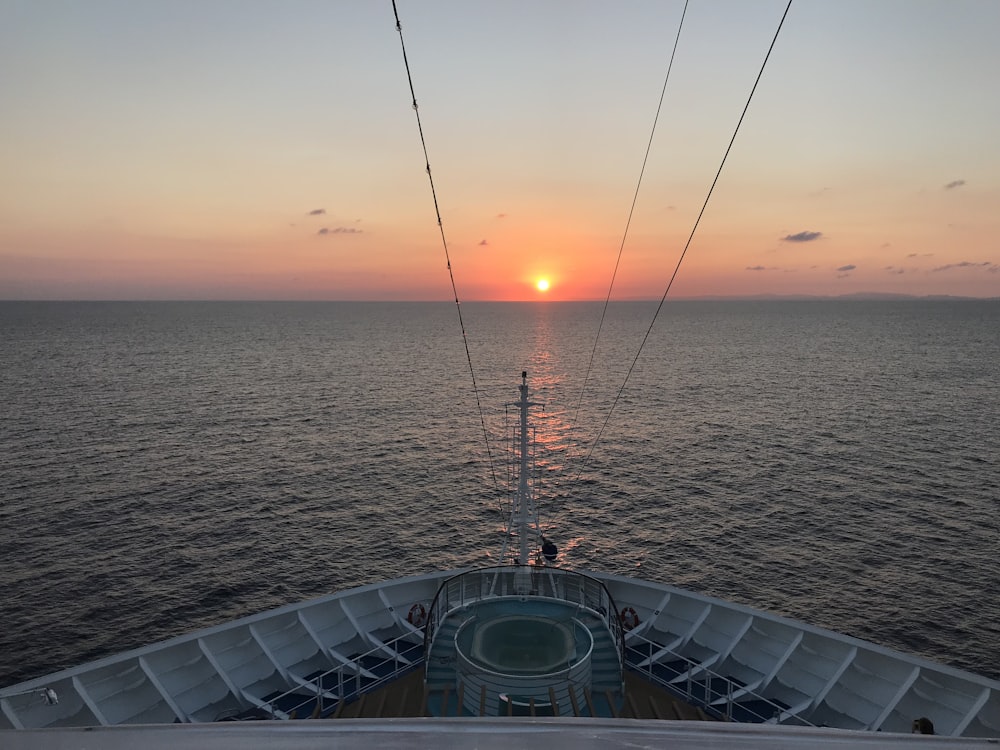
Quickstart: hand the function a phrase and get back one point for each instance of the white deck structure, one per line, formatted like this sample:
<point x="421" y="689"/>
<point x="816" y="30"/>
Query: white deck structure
<point x="306" y="658"/>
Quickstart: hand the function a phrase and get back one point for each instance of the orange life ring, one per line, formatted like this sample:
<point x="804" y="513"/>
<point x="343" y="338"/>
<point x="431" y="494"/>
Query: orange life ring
<point x="417" y="616"/>
<point x="629" y="618"/>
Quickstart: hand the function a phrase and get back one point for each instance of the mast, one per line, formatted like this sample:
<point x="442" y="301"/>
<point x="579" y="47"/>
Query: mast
<point x="523" y="514"/>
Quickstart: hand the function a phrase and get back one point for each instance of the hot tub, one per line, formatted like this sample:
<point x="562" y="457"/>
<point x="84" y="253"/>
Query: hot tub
<point x="520" y="644"/>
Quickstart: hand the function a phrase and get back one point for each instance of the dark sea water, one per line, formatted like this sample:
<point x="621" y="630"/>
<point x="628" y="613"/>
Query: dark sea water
<point x="168" y="466"/>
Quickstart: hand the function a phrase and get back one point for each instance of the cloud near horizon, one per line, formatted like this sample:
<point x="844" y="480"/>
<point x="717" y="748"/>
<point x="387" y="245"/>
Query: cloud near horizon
<point x="985" y="265"/>
<point x="802" y="237"/>
<point x="340" y="230"/>
<point x="844" y="272"/>
<point x="317" y="212"/>
<point x="954" y="184"/>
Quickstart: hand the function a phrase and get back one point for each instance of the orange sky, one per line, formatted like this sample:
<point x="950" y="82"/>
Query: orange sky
<point x="249" y="157"/>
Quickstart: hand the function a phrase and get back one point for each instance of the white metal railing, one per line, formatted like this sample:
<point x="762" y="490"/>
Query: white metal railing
<point x="701" y="687"/>
<point x="494" y="683"/>
<point x="385" y="663"/>
<point x="523" y="580"/>
<point x="360" y="674"/>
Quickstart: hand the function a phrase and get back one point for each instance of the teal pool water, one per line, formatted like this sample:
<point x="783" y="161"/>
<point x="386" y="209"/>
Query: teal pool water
<point x="519" y="644"/>
<point x="523" y="636"/>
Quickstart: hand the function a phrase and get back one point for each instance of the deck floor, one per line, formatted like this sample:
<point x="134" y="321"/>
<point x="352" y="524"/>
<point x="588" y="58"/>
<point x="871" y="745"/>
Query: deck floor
<point x="407" y="697"/>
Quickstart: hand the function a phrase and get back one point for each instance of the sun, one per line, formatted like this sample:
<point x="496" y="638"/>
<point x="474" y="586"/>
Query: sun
<point x="542" y="285"/>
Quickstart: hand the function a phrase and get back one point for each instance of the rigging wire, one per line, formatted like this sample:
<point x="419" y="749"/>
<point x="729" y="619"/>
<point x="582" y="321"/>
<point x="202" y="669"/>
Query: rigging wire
<point x="444" y="242"/>
<point x="690" y="238"/>
<point x="631" y="211"/>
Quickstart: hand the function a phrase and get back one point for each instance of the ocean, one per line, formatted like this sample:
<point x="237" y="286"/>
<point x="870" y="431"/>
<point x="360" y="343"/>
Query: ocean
<point x="169" y="466"/>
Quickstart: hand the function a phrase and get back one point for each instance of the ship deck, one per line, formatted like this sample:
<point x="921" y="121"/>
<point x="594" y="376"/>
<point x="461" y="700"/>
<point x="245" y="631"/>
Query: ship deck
<point x="408" y="697"/>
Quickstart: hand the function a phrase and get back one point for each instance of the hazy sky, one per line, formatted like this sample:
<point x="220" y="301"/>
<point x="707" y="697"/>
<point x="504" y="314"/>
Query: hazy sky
<point x="243" y="149"/>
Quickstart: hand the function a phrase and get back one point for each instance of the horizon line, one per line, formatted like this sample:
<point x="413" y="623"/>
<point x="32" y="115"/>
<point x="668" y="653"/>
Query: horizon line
<point x="856" y="296"/>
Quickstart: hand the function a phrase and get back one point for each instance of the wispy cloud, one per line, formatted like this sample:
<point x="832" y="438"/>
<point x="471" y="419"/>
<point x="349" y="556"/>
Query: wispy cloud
<point x="920" y="255"/>
<point x="954" y="184"/>
<point x="483" y="243"/>
<point x="760" y="268"/>
<point x="985" y="265"/>
<point x="802" y="237"/>
<point x="317" y="212"/>
<point x="340" y="230"/>
<point x="848" y="267"/>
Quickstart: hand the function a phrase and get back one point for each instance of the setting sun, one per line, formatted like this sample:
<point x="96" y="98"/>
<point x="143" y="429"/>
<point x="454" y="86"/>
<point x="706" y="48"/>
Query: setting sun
<point x="542" y="285"/>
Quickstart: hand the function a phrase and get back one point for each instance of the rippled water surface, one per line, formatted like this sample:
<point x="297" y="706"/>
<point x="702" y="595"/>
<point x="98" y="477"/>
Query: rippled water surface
<point x="167" y="466"/>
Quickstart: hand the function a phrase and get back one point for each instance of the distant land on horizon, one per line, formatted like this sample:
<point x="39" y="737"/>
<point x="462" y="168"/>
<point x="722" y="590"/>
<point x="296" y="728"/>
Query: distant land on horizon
<point x="859" y="296"/>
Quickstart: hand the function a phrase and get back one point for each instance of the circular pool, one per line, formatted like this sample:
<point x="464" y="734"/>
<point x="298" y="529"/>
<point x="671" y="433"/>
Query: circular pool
<point x="522" y="644"/>
<point x="506" y="655"/>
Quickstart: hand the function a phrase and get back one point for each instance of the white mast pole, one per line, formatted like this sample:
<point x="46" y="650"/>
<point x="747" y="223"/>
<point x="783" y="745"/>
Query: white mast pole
<point x="524" y="488"/>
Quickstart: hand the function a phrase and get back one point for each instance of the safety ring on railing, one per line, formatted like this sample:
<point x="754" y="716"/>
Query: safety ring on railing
<point x="417" y="616"/>
<point x="629" y="618"/>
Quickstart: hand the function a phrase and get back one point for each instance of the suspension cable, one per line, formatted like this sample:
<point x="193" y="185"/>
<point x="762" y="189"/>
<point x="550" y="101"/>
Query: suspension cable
<point x="631" y="211"/>
<point x="687" y="245"/>
<point x="444" y="242"/>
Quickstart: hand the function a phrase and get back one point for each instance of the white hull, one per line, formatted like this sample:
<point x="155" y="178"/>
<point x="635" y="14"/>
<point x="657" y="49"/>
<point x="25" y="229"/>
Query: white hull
<point x="783" y="672"/>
